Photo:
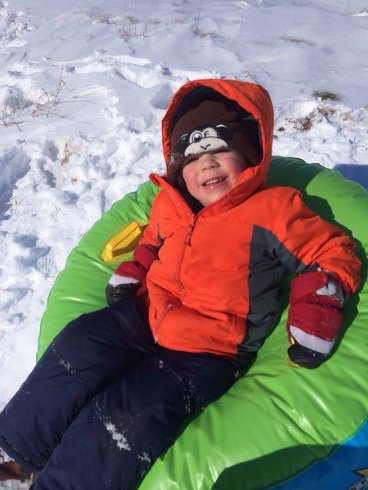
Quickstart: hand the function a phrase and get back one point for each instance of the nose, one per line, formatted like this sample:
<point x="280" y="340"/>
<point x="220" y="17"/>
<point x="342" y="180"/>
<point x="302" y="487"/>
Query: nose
<point x="207" y="161"/>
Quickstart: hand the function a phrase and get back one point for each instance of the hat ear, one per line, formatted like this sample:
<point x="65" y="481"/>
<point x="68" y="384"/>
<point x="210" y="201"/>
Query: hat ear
<point x="182" y="143"/>
<point x="224" y="132"/>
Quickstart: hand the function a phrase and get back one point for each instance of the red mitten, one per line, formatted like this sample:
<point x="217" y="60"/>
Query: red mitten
<point x="129" y="277"/>
<point x="315" y="317"/>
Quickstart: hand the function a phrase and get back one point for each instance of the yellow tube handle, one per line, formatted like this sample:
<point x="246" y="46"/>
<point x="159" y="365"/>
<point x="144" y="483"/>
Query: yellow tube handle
<point x="122" y="242"/>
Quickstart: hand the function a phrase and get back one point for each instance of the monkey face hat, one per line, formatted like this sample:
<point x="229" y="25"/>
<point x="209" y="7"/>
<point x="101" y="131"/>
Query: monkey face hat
<point x="212" y="124"/>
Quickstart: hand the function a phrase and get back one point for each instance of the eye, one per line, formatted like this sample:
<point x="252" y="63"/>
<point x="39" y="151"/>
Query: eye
<point x="195" y="137"/>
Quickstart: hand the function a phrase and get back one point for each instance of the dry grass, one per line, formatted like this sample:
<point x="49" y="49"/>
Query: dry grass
<point x="296" y="40"/>
<point x="326" y="95"/>
<point x="68" y="151"/>
<point x="19" y="110"/>
<point x="126" y="31"/>
<point x="326" y="111"/>
<point x="307" y="122"/>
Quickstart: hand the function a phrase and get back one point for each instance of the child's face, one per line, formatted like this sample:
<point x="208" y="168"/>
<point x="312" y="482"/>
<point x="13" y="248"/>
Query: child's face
<point x="212" y="175"/>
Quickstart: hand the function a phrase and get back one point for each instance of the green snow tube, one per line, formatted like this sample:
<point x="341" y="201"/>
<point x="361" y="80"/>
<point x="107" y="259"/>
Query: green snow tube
<point x="279" y="426"/>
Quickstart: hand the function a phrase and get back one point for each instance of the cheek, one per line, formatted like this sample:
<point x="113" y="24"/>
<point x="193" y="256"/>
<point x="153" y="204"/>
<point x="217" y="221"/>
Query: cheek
<point x="189" y="176"/>
<point x="236" y="169"/>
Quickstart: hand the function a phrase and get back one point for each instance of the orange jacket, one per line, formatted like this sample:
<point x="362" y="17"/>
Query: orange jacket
<point x="214" y="285"/>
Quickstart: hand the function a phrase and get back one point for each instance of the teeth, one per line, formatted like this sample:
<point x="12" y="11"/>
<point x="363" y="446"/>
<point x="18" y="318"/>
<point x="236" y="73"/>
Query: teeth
<point x="214" y="181"/>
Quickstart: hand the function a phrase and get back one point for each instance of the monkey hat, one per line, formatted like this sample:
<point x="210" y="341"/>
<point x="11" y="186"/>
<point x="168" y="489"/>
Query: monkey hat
<point x="209" y="122"/>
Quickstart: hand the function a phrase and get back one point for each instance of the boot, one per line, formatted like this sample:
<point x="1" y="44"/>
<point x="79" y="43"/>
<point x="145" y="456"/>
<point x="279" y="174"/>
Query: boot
<point x="13" y="471"/>
<point x="10" y="470"/>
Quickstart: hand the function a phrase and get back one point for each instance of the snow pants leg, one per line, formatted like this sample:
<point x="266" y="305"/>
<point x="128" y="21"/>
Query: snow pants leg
<point x="105" y="401"/>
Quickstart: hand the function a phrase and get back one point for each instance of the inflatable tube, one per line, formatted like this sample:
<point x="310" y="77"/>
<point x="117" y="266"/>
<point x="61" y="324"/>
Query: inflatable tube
<point x="279" y="426"/>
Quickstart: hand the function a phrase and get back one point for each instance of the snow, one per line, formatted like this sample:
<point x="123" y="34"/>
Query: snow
<point x="83" y="88"/>
<point x="117" y="437"/>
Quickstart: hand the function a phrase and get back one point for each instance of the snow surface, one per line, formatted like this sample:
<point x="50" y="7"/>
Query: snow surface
<point x="83" y="88"/>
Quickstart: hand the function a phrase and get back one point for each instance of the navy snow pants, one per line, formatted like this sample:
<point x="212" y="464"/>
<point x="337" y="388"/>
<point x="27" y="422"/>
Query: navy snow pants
<point x="105" y="401"/>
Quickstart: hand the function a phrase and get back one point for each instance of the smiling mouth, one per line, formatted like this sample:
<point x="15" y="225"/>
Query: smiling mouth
<point x="213" y="181"/>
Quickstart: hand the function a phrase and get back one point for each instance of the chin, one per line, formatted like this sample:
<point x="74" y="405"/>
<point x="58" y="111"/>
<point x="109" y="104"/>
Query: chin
<point x="207" y="202"/>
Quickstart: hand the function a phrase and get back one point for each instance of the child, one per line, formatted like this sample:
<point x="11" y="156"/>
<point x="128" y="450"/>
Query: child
<point x="189" y="313"/>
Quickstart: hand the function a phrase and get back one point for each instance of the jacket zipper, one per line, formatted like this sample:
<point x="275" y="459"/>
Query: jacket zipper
<point x="181" y="255"/>
<point x="177" y="277"/>
<point x="159" y="321"/>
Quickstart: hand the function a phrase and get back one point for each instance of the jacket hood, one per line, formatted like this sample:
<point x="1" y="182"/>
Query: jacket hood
<point x="249" y="96"/>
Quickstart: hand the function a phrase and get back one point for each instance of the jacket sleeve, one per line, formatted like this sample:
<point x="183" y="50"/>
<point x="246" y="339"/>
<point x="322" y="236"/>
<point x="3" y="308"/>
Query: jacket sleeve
<point x="145" y="253"/>
<point x="304" y="241"/>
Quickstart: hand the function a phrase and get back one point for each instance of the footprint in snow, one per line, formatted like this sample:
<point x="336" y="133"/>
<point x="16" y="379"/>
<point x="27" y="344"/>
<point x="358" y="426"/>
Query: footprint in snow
<point x="14" y="164"/>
